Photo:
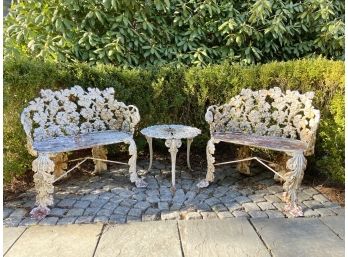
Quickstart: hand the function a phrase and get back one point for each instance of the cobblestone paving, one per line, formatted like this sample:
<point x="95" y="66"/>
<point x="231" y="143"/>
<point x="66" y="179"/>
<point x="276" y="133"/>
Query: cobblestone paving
<point x="111" y="198"/>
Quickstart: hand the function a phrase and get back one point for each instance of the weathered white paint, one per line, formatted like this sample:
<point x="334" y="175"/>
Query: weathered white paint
<point x="74" y="119"/>
<point x="172" y="134"/>
<point x="267" y="119"/>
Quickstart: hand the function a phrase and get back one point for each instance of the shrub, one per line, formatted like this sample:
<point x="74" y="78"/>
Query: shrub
<point x="179" y="95"/>
<point x="196" y="32"/>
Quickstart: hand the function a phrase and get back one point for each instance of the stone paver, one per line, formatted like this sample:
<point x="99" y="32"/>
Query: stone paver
<point x="336" y="224"/>
<point x="310" y="237"/>
<point x="266" y="206"/>
<point x="28" y="222"/>
<point x="10" y="237"/>
<point x="118" y="218"/>
<point x="84" y="220"/>
<point x="59" y="212"/>
<point x="192" y="216"/>
<point x="242" y="199"/>
<point x="102" y="219"/>
<point x="320" y="198"/>
<point x="170" y="215"/>
<point x="66" y="221"/>
<point x="151" y="214"/>
<point x="224" y="215"/>
<point x="66" y="203"/>
<point x="239" y="214"/>
<point x="43" y="241"/>
<point x="49" y="221"/>
<point x="231" y="237"/>
<point x="299" y="237"/>
<point x="140" y="239"/>
<point x="274" y="214"/>
<point x="111" y="194"/>
<point x="258" y="214"/>
<point x="75" y="212"/>
<point x="207" y="215"/>
<point x="251" y="207"/>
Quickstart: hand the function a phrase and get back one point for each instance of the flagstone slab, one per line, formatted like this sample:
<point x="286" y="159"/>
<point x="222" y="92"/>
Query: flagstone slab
<point x="10" y="236"/>
<point x="231" y="237"/>
<point x="307" y="237"/>
<point x="57" y="241"/>
<point x="147" y="239"/>
<point x="336" y="223"/>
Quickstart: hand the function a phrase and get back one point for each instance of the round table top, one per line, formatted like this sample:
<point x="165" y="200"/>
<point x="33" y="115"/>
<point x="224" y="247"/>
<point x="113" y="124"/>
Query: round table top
<point x="171" y="131"/>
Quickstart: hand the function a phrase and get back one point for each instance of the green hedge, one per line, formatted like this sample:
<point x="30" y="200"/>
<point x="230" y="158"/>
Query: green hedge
<point x="196" y="32"/>
<point x="179" y="95"/>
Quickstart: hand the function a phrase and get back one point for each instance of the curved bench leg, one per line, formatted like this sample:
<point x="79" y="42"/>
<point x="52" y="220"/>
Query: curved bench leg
<point x="296" y="164"/>
<point x="43" y="167"/>
<point x="99" y="152"/>
<point x="244" y="167"/>
<point x="133" y="164"/>
<point x="210" y="150"/>
<point x="60" y="164"/>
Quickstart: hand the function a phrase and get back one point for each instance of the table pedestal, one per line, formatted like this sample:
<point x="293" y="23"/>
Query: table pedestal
<point x="173" y="145"/>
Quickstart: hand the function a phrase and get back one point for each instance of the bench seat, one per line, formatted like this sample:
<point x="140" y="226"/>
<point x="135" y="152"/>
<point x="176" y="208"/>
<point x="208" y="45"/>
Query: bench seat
<point x="72" y="119"/>
<point x="267" y="142"/>
<point x="82" y="141"/>
<point x="269" y="119"/>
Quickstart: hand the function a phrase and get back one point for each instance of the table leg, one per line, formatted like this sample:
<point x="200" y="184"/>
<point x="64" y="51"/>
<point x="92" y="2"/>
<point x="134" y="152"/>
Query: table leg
<point x="189" y="141"/>
<point x="149" y="141"/>
<point x="173" y="145"/>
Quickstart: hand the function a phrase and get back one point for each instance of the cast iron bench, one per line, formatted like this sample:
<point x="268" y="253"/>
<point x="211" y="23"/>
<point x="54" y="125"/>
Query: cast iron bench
<point x="74" y="119"/>
<point x="268" y="119"/>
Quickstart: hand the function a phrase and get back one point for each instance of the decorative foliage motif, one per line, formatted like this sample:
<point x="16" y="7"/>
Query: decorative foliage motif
<point x="171" y="131"/>
<point x="133" y="164"/>
<point x="296" y="164"/>
<point x="173" y="145"/>
<point x="268" y="113"/>
<point x="75" y="111"/>
<point x="210" y="150"/>
<point x="43" y="167"/>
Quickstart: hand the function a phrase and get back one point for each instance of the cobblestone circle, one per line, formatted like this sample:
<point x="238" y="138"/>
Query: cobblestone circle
<point x="110" y="198"/>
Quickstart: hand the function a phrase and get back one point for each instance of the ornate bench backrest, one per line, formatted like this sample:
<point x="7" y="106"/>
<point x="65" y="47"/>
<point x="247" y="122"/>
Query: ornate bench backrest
<point x="268" y="113"/>
<point x="76" y="111"/>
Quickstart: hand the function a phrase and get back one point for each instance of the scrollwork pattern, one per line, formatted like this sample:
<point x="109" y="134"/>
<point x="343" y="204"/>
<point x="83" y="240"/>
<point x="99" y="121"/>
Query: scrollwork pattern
<point x="268" y="113"/>
<point x="76" y="111"/>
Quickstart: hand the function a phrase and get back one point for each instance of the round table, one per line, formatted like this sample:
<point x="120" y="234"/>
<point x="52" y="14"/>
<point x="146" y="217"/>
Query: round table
<point x="172" y="134"/>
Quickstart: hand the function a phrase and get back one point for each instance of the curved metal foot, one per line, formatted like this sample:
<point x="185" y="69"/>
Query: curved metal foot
<point x="133" y="164"/>
<point x="140" y="183"/>
<point x="296" y="164"/>
<point x="173" y="189"/>
<point x="210" y="150"/>
<point x="203" y="183"/>
<point x="43" y="167"/>
<point x="39" y="212"/>
<point x="293" y="209"/>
